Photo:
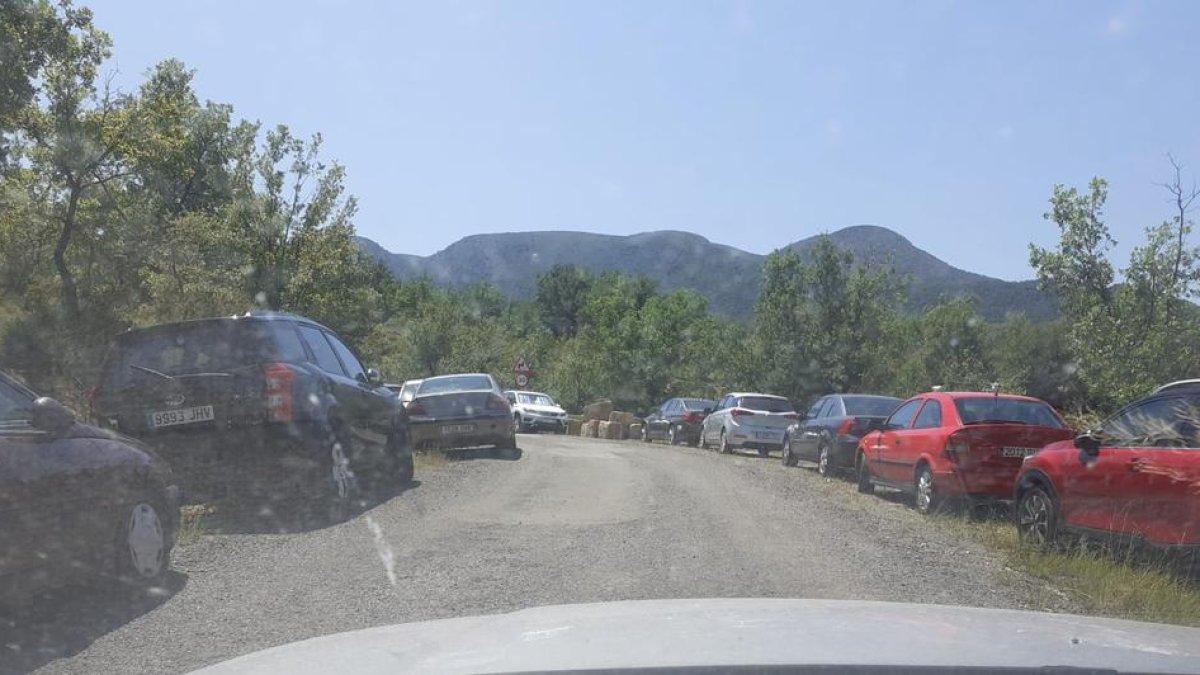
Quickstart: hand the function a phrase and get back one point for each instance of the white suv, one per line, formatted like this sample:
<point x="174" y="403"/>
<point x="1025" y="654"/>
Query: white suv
<point x="533" y="410"/>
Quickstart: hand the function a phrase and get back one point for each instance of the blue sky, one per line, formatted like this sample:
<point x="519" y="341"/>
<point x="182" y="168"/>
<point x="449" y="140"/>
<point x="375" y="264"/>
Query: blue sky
<point x="753" y="124"/>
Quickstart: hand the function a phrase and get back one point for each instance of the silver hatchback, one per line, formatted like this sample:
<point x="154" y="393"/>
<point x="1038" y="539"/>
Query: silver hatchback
<point x="748" y="420"/>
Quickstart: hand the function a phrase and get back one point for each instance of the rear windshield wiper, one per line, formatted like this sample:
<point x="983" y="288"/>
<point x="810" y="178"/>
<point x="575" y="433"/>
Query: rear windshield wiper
<point x="995" y="422"/>
<point x="152" y="371"/>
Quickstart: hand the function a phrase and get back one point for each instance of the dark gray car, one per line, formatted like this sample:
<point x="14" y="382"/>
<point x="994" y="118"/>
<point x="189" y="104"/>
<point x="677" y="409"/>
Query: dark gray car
<point x="277" y="396"/>
<point x="830" y="430"/>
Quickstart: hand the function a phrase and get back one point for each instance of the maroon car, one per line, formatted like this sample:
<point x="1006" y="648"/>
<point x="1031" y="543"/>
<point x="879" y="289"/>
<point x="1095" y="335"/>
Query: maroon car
<point x="77" y="503"/>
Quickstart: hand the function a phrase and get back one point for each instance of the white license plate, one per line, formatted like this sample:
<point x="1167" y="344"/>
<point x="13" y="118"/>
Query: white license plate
<point x="1017" y="452"/>
<point x="766" y="435"/>
<point x="170" y="418"/>
<point x="457" y="429"/>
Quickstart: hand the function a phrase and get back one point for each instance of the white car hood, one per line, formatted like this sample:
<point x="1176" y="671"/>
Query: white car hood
<point x="540" y="409"/>
<point x="736" y="632"/>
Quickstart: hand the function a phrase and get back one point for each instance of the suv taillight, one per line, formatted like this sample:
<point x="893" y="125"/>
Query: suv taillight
<point x="692" y="417"/>
<point x="414" y="408"/>
<point x="278" y="391"/>
<point x="740" y="412"/>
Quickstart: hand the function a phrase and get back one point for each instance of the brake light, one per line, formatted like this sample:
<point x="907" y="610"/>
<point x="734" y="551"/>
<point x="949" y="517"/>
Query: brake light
<point x="278" y="392"/>
<point x="414" y="408"/>
<point x="741" y="412"/>
<point x="793" y="416"/>
<point x="957" y="448"/>
<point x="846" y="426"/>
<point x="692" y="417"/>
<point x="496" y="403"/>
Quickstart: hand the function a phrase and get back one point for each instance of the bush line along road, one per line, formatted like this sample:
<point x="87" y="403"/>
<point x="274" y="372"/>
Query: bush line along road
<point x="572" y="520"/>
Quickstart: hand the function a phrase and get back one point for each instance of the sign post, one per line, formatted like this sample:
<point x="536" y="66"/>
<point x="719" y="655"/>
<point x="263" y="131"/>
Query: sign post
<point x="522" y="372"/>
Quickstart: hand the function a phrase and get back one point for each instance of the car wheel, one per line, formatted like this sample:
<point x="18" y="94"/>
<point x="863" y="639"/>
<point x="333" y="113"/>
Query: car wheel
<point x="863" y="472"/>
<point x="788" y="458"/>
<point x="343" y="490"/>
<point x="645" y="433"/>
<point x="1037" y="517"/>
<point x="700" y="440"/>
<point x="673" y="435"/>
<point x="764" y="452"/>
<point x="927" y="499"/>
<point x="143" y="544"/>
<point x="517" y="423"/>
<point x="823" y="467"/>
<point x="724" y="447"/>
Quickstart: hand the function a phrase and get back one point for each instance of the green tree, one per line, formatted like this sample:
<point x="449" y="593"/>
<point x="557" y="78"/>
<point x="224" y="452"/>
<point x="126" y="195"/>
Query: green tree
<point x="561" y="294"/>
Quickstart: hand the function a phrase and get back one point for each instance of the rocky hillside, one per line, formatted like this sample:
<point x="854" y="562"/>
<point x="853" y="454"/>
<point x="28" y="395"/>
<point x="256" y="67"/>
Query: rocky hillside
<point x="726" y="275"/>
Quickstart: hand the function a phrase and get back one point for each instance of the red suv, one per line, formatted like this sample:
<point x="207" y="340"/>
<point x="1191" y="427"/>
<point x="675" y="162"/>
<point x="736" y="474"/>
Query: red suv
<point x="941" y="445"/>
<point x="1136" y="477"/>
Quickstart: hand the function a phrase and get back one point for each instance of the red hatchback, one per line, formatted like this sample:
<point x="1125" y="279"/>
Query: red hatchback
<point x="948" y="445"/>
<point x="1136" y="478"/>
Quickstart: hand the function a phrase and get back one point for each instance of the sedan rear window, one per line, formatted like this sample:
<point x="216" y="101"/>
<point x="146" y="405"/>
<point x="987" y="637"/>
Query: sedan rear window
<point x="698" y="404"/>
<point x="870" y="406"/>
<point x="998" y="410"/>
<point x="766" y="404"/>
<point x="441" y="385"/>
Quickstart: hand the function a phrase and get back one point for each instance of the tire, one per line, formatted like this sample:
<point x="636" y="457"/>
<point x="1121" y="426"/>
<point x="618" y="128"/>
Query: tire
<point x="673" y="435"/>
<point x="344" y="489"/>
<point x="926" y="498"/>
<point x="724" y="448"/>
<point x="700" y="439"/>
<point x="645" y="433"/>
<point x="863" y="473"/>
<point x="517" y="423"/>
<point x="1037" y="517"/>
<point x="823" y="460"/>
<point x="143" y="545"/>
<point x="788" y="458"/>
<point x="764" y="452"/>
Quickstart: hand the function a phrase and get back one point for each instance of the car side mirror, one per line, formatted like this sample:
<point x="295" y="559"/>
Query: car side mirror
<point x="52" y="416"/>
<point x="373" y="377"/>
<point x="1089" y="443"/>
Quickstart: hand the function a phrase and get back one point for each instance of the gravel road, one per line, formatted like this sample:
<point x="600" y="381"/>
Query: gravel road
<point x="572" y="520"/>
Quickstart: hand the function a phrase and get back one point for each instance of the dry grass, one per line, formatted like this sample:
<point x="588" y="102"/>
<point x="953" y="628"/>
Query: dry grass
<point x="193" y="523"/>
<point x="425" y="460"/>
<point x="1117" y="583"/>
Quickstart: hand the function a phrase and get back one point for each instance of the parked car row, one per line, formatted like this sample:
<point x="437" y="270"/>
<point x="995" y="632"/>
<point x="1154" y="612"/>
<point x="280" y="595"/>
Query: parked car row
<point x="1135" y="477"/>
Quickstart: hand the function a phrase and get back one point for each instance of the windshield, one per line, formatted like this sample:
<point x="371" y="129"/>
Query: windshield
<point x="441" y="385"/>
<point x="535" y="399"/>
<point x="775" y="405"/>
<point x="991" y="409"/>
<point x="358" y="314"/>
<point x="870" y="406"/>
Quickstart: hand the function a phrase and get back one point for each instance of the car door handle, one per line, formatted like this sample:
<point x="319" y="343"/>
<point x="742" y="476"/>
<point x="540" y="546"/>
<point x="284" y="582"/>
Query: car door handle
<point x="1138" y="465"/>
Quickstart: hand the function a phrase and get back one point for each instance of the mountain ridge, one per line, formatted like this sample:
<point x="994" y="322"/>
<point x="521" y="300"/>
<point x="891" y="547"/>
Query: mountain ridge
<point x="726" y="275"/>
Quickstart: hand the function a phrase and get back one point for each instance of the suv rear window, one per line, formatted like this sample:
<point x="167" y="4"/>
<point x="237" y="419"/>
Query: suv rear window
<point x="986" y="409"/>
<point x="202" y="347"/>
<point x="766" y="404"/>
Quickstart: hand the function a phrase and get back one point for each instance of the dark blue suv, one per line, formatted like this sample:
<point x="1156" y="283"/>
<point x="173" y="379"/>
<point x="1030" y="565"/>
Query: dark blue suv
<point x="268" y="402"/>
